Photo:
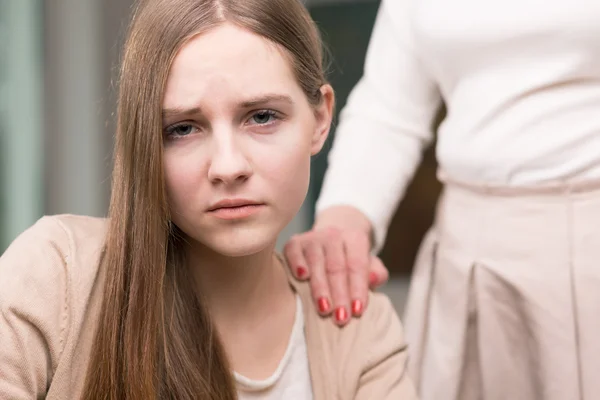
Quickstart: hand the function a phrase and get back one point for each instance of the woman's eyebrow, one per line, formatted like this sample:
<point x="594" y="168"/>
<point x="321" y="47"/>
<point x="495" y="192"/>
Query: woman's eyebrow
<point x="180" y="112"/>
<point x="264" y="99"/>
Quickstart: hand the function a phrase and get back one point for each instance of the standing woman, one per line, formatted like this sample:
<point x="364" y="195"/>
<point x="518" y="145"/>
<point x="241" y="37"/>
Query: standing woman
<point x="504" y="300"/>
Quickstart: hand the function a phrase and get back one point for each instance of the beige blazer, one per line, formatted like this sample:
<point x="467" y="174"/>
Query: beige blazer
<point x="50" y="295"/>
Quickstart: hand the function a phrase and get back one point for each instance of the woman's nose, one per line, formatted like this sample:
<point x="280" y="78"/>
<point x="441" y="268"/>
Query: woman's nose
<point x="228" y="161"/>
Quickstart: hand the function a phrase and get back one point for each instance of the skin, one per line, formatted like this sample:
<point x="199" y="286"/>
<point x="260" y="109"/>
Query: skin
<point x="237" y="125"/>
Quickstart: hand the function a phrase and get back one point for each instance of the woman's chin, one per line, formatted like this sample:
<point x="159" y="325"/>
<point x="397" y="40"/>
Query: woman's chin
<point x="240" y="244"/>
<point x="241" y="250"/>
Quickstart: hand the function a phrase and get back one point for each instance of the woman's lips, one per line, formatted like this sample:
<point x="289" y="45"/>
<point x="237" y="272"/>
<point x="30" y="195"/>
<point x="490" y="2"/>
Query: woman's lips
<point x="236" y="212"/>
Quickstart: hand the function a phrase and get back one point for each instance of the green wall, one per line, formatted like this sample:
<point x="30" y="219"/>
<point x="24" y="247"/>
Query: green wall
<point x="21" y="114"/>
<point x="346" y="29"/>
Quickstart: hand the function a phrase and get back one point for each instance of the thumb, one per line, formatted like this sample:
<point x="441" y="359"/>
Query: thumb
<point x="378" y="273"/>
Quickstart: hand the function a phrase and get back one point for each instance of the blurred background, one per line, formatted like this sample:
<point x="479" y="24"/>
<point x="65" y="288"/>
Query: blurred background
<point x="58" y="70"/>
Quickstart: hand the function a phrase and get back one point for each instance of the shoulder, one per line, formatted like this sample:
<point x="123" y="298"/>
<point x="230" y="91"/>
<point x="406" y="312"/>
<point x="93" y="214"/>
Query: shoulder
<point x="46" y="275"/>
<point x="379" y="329"/>
<point x="79" y="230"/>
<point x="62" y="230"/>
<point x="51" y="243"/>
<point x="368" y="356"/>
<point x="378" y="324"/>
<point x="381" y="313"/>
<point x="44" y="258"/>
<point x="51" y="261"/>
<point x="377" y="332"/>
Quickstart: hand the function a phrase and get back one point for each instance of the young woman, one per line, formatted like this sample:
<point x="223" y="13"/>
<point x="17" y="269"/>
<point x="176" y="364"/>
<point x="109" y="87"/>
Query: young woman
<point x="178" y="294"/>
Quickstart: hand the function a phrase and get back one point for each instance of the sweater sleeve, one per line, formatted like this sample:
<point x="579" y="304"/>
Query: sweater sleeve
<point x="33" y="310"/>
<point x="384" y="126"/>
<point x="383" y="363"/>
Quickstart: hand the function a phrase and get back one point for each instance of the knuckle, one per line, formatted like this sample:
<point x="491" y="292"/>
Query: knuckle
<point x="314" y="256"/>
<point x="313" y="260"/>
<point x="290" y="246"/>
<point x="335" y="268"/>
<point x="331" y="233"/>
<point x="357" y="238"/>
<point x="357" y="264"/>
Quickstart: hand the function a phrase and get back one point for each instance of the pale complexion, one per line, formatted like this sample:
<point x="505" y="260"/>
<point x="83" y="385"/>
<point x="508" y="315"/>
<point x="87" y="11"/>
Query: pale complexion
<point x="239" y="129"/>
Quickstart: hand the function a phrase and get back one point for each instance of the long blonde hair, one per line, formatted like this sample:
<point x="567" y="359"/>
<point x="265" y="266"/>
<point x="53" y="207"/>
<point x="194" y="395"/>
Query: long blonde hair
<point x="155" y="340"/>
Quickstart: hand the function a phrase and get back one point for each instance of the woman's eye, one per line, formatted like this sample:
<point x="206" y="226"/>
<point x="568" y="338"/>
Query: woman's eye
<point x="180" y="130"/>
<point x="263" y="117"/>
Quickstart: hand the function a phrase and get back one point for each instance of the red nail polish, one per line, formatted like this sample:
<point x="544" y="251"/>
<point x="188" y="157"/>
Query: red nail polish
<point x="372" y="278"/>
<point x="324" y="305"/>
<point x="341" y="314"/>
<point x="301" y="272"/>
<point x="357" y="308"/>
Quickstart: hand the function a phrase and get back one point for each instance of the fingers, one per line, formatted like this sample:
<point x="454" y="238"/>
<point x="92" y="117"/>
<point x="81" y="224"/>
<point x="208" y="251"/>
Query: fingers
<point x="358" y="260"/>
<point x="293" y="252"/>
<point x="339" y="269"/>
<point x="378" y="273"/>
<point x="337" y="275"/>
<point x="315" y="257"/>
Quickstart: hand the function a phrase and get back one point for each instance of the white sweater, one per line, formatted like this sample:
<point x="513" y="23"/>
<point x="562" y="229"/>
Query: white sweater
<point x="521" y="82"/>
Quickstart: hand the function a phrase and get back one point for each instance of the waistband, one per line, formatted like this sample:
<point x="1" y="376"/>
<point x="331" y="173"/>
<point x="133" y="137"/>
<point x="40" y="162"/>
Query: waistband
<point x="557" y="188"/>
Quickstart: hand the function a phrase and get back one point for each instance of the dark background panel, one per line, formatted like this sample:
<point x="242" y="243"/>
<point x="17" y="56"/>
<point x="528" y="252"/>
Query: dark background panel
<point x="346" y="28"/>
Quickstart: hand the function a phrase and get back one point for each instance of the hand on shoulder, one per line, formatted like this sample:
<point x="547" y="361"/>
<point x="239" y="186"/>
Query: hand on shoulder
<point x="335" y="257"/>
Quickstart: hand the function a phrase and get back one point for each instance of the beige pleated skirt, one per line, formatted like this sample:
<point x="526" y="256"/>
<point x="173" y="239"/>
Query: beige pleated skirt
<point x="504" y="302"/>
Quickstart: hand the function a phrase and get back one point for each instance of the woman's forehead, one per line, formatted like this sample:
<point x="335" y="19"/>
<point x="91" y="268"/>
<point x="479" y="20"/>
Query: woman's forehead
<point x="228" y="61"/>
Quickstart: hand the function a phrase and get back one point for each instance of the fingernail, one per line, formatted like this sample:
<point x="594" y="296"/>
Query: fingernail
<point x="301" y="272"/>
<point x="372" y="278"/>
<point x="341" y="314"/>
<point x="357" y="308"/>
<point x="324" y="305"/>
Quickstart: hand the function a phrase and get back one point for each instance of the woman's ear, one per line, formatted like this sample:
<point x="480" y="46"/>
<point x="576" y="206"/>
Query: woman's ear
<point x="324" y="116"/>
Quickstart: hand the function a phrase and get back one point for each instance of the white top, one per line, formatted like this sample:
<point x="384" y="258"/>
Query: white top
<point x="521" y="81"/>
<point x="291" y="379"/>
